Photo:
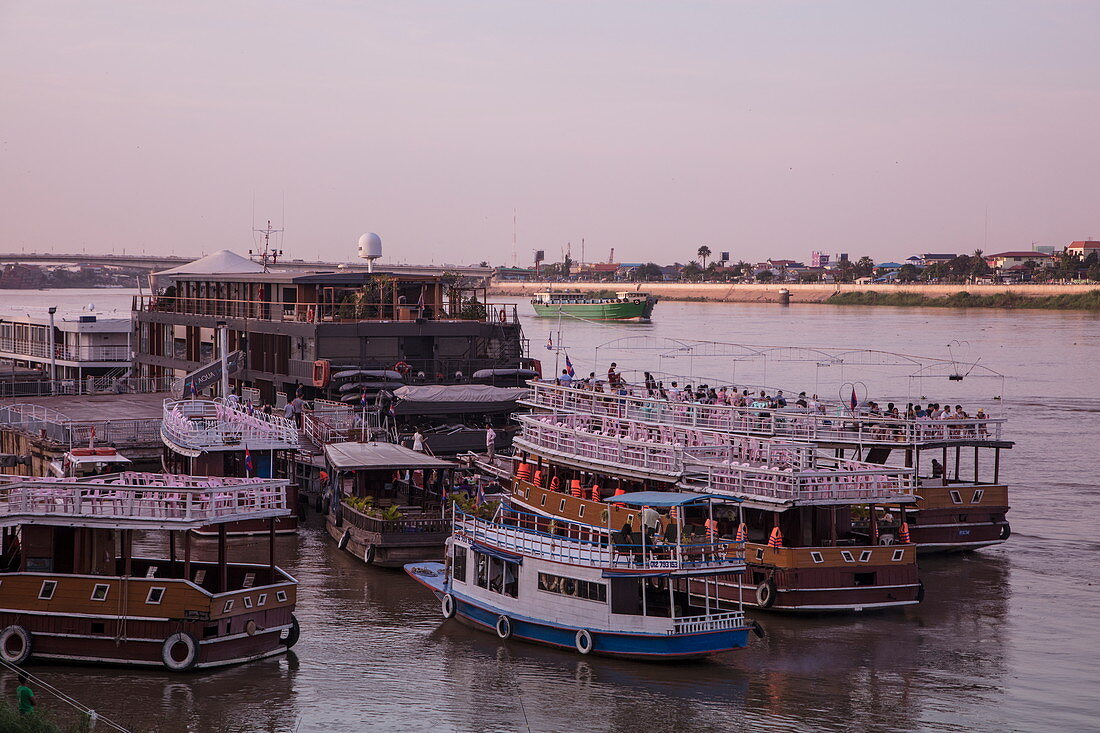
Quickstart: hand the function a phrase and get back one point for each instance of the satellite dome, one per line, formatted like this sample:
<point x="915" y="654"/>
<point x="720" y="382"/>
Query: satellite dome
<point x="370" y="246"/>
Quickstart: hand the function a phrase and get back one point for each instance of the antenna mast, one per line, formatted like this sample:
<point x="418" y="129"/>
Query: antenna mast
<point x="268" y="255"/>
<point x="513" y="238"/>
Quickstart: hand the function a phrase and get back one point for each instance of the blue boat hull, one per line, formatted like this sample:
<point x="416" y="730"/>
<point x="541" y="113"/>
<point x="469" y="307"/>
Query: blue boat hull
<point x="628" y="645"/>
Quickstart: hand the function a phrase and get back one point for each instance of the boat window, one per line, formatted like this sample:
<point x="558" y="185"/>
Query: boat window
<point x="280" y="596"/>
<point x="48" y="587"/>
<point x="573" y="587"/>
<point x="864" y="578"/>
<point x="561" y="507"/>
<point x="977" y="496"/>
<point x="99" y="593"/>
<point x="816" y="557"/>
<point x="580" y="512"/>
<point x="865" y="556"/>
<point x="458" y="563"/>
<point x="262" y="600"/>
<point x="542" y="501"/>
<point x="155" y="596"/>
<point x="481" y="578"/>
<point x="228" y="606"/>
<point x="99" y="627"/>
<point x="497" y="575"/>
<point x="247" y="601"/>
<point x="898" y="555"/>
<point x="956" y="496"/>
<point x="847" y="556"/>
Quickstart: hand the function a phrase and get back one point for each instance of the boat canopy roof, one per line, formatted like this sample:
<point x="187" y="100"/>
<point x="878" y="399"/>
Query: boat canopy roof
<point x="663" y="498"/>
<point x="380" y="456"/>
<point x="460" y="393"/>
<point x="81" y="460"/>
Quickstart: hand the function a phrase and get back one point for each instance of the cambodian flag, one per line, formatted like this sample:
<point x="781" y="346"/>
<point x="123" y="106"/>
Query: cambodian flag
<point x="569" y="365"/>
<point x="549" y="342"/>
<point x="854" y="402"/>
<point x="480" y="494"/>
<point x="248" y="467"/>
<point x="194" y="392"/>
<point x="363" y="400"/>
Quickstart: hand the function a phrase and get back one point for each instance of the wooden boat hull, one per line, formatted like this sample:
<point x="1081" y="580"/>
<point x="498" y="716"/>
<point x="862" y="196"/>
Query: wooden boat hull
<point x="959" y="517"/>
<point x="386" y="549"/>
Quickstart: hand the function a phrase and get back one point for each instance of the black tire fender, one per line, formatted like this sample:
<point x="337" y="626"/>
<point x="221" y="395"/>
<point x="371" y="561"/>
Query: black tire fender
<point x="344" y="539"/>
<point x="1006" y="531"/>
<point x="292" y="634"/>
<point x="757" y="629"/>
<point x="368" y="555"/>
<point x="22" y="638"/>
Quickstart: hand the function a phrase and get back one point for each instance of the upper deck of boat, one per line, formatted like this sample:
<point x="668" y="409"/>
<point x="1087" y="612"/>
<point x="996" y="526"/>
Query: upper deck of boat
<point x="836" y="427"/>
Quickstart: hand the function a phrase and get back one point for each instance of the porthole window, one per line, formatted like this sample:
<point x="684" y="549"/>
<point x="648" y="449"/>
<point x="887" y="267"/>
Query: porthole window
<point x="156" y="595"/>
<point x="816" y="556"/>
<point x="280" y="596"/>
<point x="977" y="498"/>
<point x="228" y="606"/>
<point x="99" y="593"/>
<point x="47" y="590"/>
<point x="898" y="555"/>
<point x="847" y="556"/>
<point x="956" y="496"/>
<point x="580" y="512"/>
<point x="865" y="556"/>
<point x="262" y="600"/>
<point x="247" y="601"/>
<point x="561" y="506"/>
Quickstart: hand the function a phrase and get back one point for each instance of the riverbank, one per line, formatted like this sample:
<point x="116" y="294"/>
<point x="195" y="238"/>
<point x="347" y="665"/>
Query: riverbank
<point x="1060" y="297"/>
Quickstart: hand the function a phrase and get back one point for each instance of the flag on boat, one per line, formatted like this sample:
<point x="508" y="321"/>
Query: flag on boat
<point x="775" y="540"/>
<point x="569" y="365"/>
<point x="194" y="391"/>
<point x="854" y="402"/>
<point x="549" y="342"/>
<point x="420" y="303"/>
<point x="742" y="533"/>
<point x="363" y="400"/>
<point x="480" y="494"/>
<point x="247" y="462"/>
<point x="903" y="534"/>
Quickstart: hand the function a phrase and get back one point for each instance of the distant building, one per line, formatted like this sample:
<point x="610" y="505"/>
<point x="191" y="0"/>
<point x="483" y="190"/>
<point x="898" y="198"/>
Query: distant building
<point x="1005" y="260"/>
<point x="513" y="274"/>
<point x="888" y="266"/>
<point x="928" y="259"/>
<point x="1083" y="248"/>
<point x="819" y="259"/>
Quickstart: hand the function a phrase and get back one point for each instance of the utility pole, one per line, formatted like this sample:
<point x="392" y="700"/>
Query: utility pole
<point x="53" y="352"/>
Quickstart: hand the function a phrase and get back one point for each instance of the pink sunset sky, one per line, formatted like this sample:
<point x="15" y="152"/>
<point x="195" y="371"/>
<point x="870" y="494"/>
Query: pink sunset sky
<point x="767" y="129"/>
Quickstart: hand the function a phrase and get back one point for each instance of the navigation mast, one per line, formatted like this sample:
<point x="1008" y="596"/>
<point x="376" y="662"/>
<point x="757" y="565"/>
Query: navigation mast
<point x="268" y="256"/>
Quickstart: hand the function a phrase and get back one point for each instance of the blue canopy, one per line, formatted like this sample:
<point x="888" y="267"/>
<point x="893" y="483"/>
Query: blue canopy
<point x="659" y="498"/>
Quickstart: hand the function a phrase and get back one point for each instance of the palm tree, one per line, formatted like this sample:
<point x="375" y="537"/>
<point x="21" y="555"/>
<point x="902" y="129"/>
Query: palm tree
<point x="704" y="253"/>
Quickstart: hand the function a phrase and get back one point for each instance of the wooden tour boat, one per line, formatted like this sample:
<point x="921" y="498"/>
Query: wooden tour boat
<point x="631" y="594"/>
<point x="71" y="588"/>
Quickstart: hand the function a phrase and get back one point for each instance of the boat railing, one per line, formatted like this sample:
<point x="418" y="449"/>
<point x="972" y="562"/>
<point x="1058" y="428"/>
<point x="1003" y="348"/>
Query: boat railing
<point x="415" y="524"/>
<point x="710" y="622"/>
<point x="141" y="500"/>
<point x="741" y="466"/>
<point x="522" y="533"/>
<point x="795" y="423"/>
<point x="51" y="425"/>
<point x="199" y="424"/>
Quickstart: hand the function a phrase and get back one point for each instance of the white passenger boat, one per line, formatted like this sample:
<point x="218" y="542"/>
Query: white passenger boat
<point x="643" y="593"/>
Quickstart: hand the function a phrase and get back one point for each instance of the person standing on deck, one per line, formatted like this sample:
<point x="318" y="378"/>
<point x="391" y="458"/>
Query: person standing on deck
<point x="651" y="521"/>
<point x="25" y="696"/>
<point x="490" y="442"/>
<point x="418" y="441"/>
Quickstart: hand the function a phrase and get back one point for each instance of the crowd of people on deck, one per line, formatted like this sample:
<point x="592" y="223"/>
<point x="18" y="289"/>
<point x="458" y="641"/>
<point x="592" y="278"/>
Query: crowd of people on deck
<point x="706" y="394"/>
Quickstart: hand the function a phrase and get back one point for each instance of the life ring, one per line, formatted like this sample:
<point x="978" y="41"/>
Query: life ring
<point x="757" y="629"/>
<point x="15" y="644"/>
<point x="1006" y="531"/>
<point x="171" y="648"/>
<point x="504" y="627"/>
<point x="250" y="627"/>
<point x="765" y="594"/>
<point x="583" y="641"/>
<point x="447" y="605"/>
<point x="503" y="316"/>
<point x="402" y="368"/>
<point x="568" y="587"/>
<point x="322" y="372"/>
<point x="637" y="302"/>
<point x="344" y="538"/>
<point x="292" y="634"/>
<point x="368" y="555"/>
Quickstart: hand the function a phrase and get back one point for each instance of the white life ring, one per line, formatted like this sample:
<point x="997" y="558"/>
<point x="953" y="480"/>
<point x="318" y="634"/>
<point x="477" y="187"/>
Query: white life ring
<point x="504" y="627"/>
<point x="15" y="644"/>
<point x="583" y="641"/>
<point x="250" y="627"/>
<point x="173" y="645"/>
<point x="447" y="605"/>
<point x="637" y="302"/>
<point x="765" y="594"/>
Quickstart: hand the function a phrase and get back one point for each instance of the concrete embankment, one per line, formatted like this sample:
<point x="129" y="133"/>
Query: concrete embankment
<point x="800" y="292"/>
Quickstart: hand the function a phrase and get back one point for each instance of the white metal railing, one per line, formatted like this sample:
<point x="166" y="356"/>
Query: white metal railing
<point x="142" y="498"/>
<point x="526" y="540"/>
<point x="87" y="385"/>
<point x="53" y="426"/>
<point x="734" y="465"/>
<point x="214" y="425"/>
<point x="840" y="425"/>
<point x="36" y="349"/>
<point x="713" y="622"/>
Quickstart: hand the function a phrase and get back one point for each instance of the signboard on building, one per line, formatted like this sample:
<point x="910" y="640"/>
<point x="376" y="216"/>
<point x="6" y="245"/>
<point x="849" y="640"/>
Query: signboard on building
<point x="208" y="375"/>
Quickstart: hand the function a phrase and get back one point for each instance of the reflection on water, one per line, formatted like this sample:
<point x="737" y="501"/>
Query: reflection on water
<point x="1004" y="640"/>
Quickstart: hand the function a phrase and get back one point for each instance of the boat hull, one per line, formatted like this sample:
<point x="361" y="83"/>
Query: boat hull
<point x="387" y="550"/>
<point x="609" y="311"/>
<point x="624" y="645"/>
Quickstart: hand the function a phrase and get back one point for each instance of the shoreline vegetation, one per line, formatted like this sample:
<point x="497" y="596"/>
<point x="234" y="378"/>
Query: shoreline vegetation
<point x="1042" y="296"/>
<point x="964" y="299"/>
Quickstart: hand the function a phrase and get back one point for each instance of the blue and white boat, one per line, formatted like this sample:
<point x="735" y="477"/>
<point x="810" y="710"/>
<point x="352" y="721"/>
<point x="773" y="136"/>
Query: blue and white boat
<point x="636" y="593"/>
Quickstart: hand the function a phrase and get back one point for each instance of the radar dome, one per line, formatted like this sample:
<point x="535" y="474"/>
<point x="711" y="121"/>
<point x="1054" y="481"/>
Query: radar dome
<point x="370" y="246"/>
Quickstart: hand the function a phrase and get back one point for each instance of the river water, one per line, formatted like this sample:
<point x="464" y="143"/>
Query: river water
<point x="1006" y="639"/>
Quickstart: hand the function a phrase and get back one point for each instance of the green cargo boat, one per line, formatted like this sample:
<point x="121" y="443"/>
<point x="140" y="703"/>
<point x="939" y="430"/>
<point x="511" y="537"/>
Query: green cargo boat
<point x="627" y="305"/>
